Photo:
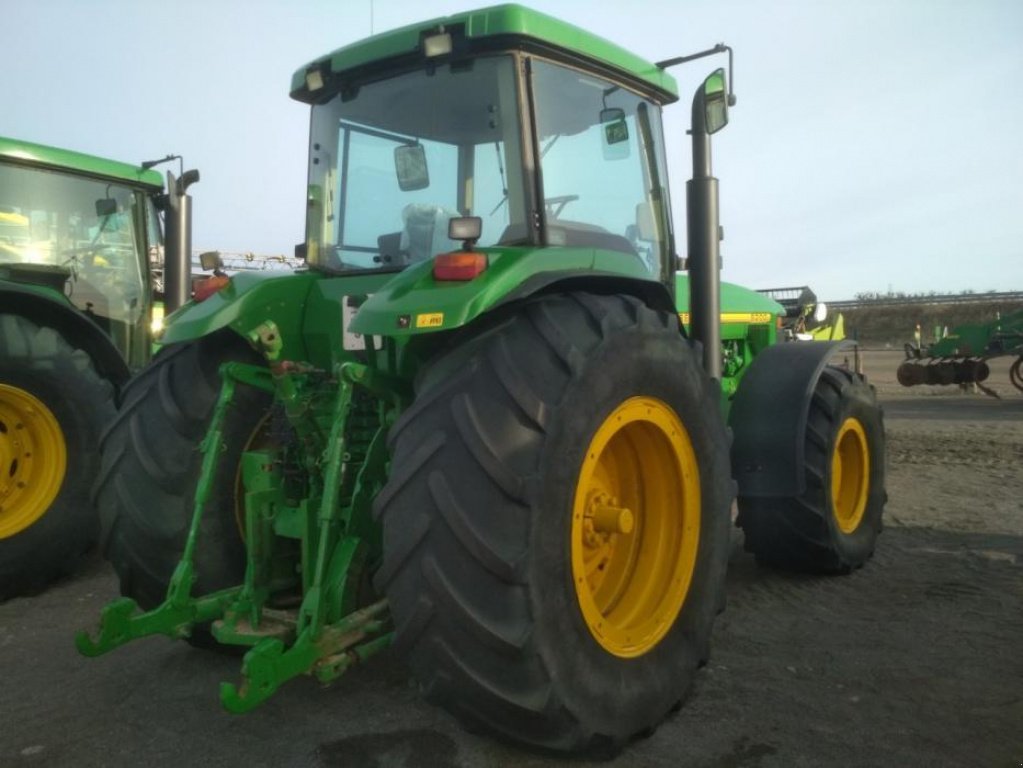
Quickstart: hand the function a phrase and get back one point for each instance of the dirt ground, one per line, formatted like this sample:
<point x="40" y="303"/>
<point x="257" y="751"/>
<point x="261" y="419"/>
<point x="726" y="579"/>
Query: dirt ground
<point x="915" y="660"/>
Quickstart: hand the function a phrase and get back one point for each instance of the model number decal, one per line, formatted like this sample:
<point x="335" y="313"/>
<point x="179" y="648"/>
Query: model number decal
<point x="430" y="320"/>
<point x="736" y="317"/>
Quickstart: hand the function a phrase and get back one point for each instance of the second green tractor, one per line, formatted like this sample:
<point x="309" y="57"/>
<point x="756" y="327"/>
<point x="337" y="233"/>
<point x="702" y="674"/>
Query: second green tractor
<point x="82" y="257"/>
<point x="476" y="428"/>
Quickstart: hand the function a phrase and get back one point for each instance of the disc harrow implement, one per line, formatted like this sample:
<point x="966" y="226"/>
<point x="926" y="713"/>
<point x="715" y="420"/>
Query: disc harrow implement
<point x="962" y="356"/>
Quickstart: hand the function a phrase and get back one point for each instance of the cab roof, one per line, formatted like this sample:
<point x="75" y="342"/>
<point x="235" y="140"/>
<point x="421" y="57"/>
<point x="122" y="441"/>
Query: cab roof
<point x="508" y="26"/>
<point x="27" y="153"/>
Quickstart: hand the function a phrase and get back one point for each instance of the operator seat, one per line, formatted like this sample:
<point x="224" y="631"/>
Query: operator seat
<point x="425" y="233"/>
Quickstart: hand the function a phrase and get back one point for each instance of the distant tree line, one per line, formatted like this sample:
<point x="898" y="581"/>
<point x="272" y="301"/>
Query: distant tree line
<point x="893" y="295"/>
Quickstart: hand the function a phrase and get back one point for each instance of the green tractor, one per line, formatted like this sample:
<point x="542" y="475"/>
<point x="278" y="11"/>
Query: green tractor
<point x="475" y="429"/>
<point x="79" y="243"/>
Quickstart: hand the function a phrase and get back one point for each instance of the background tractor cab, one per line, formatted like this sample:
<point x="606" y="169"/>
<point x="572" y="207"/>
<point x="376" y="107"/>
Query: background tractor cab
<point x="84" y="270"/>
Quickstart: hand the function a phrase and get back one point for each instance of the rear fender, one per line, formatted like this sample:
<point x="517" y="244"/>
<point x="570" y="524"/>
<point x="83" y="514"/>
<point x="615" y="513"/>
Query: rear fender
<point x="414" y="303"/>
<point x="248" y="300"/>
<point x="769" y="414"/>
<point x="47" y="308"/>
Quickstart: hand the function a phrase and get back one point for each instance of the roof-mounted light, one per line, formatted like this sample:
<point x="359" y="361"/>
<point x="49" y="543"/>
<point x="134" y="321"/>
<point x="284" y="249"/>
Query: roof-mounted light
<point x="314" y="79"/>
<point x="468" y="228"/>
<point x="437" y="45"/>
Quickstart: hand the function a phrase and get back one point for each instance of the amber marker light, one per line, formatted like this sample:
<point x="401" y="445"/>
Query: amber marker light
<point x="205" y="288"/>
<point x="465" y="264"/>
<point x="459" y="265"/>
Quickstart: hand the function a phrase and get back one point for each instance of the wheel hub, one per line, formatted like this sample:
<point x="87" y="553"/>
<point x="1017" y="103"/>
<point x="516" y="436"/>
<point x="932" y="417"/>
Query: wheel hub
<point x="635" y="526"/>
<point x="33" y="459"/>
<point x="850" y="475"/>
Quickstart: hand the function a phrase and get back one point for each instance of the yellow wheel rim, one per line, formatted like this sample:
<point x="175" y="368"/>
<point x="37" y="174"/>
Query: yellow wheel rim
<point x="33" y="459"/>
<point x="635" y="526"/>
<point x="850" y="475"/>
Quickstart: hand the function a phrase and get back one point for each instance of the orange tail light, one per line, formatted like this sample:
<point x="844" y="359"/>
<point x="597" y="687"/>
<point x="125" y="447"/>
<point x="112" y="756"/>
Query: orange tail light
<point x="203" y="289"/>
<point x="459" y="265"/>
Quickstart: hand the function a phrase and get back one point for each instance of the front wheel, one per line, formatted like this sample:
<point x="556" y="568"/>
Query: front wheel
<point x="556" y="523"/>
<point x="832" y="527"/>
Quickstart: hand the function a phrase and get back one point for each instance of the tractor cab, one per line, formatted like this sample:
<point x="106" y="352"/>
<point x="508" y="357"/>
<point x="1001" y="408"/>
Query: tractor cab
<point x="88" y="237"/>
<point x="541" y="149"/>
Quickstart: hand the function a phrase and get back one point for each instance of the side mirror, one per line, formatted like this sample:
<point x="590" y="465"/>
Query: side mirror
<point x="410" y="167"/>
<point x="106" y="206"/>
<point x="615" y="134"/>
<point x="211" y="260"/>
<point x="715" y="101"/>
<point x="188" y="178"/>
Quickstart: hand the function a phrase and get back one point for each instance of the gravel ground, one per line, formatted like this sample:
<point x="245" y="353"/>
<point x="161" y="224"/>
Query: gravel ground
<point x="917" y="659"/>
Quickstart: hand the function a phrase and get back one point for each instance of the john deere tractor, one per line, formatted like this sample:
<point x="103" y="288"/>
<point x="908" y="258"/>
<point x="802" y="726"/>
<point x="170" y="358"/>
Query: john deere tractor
<point x="475" y="428"/>
<point x="79" y="236"/>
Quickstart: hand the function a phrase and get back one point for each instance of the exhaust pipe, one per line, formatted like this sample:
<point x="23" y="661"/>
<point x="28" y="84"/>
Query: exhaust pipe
<point x="177" y="247"/>
<point x="710" y="115"/>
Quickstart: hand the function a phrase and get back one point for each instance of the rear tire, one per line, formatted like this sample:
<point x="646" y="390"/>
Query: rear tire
<point x="492" y="563"/>
<point x="151" y="464"/>
<point x="833" y="526"/>
<point x="53" y="405"/>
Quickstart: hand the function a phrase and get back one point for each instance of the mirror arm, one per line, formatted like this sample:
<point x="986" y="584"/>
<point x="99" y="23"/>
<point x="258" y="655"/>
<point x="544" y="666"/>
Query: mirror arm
<point x="719" y="48"/>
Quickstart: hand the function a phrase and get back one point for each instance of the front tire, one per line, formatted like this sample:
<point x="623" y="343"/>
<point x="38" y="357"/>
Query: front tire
<point x="53" y="405"/>
<point x="832" y="527"/>
<point x="556" y="523"/>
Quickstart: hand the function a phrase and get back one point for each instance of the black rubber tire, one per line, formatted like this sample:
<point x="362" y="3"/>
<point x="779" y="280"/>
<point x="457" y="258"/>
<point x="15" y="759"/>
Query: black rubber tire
<point x="39" y="361"/>
<point x="151" y="465"/>
<point x="802" y="533"/>
<point x="477" y="513"/>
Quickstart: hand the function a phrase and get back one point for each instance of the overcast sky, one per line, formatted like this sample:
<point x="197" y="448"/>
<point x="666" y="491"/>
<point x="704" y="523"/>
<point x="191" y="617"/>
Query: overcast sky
<point x="876" y="145"/>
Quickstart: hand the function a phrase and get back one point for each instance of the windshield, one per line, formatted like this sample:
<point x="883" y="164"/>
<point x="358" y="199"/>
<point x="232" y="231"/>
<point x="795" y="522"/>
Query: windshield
<point x="393" y="162"/>
<point x="56" y="225"/>
<point x="602" y="156"/>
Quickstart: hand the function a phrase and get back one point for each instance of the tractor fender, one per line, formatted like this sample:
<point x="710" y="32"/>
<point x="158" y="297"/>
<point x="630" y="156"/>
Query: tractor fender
<point x="651" y="293"/>
<point x="414" y="303"/>
<point x="46" y="308"/>
<point x="769" y="413"/>
<point x="248" y="299"/>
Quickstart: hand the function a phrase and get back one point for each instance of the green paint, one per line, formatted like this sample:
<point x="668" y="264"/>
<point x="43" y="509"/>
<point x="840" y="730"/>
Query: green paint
<point x="749" y="325"/>
<point x="40" y="155"/>
<point x="1003" y="336"/>
<point x="415" y="293"/>
<point x="507" y="26"/>
<point x="734" y="298"/>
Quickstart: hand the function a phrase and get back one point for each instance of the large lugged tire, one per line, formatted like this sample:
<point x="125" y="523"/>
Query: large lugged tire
<point x="53" y="406"/>
<point x="556" y="523"/>
<point x="151" y="465"/>
<point x="833" y="526"/>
